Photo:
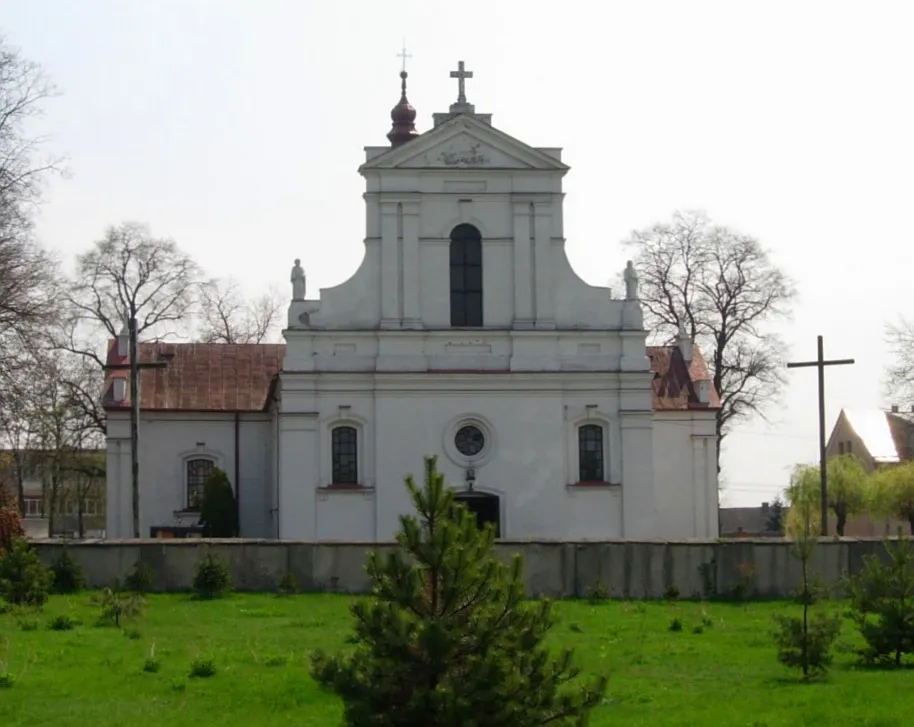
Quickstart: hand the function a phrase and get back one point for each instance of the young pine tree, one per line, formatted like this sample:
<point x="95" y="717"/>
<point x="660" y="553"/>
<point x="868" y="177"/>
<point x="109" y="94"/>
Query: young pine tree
<point x="447" y="639"/>
<point x="219" y="509"/>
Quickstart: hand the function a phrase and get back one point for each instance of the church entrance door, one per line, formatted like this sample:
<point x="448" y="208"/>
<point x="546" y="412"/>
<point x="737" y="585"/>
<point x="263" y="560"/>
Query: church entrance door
<point x="485" y="506"/>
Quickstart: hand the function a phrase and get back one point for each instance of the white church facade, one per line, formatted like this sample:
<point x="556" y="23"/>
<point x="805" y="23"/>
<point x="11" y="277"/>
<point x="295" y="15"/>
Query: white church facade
<point x="465" y="333"/>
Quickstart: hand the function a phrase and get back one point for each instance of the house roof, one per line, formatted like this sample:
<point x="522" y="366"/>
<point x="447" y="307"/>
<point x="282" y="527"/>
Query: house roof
<point x="675" y="381"/>
<point x="882" y="433"/>
<point x="221" y="377"/>
<point x="218" y="377"/>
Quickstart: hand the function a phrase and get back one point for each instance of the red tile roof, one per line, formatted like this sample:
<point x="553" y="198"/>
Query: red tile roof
<point x="222" y="377"/>
<point x="675" y="381"/>
<point x="200" y="376"/>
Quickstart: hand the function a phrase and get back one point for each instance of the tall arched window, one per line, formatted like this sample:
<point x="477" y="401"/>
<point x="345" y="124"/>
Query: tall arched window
<point x="590" y="453"/>
<point x="466" y="276"/>
<point x="198" y="470"/>
<point x="344" y="443"/>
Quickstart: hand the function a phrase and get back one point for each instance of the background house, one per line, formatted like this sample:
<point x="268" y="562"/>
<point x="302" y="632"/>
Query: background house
<point x="878" y="438"/>
<point x="64" y="493"/>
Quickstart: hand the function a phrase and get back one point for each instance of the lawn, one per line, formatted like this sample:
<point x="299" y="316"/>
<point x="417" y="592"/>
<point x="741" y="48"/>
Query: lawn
<point x="725" y="675"/>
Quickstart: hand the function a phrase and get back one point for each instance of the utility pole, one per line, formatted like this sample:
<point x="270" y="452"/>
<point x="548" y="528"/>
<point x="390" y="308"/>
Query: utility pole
<point x="820" y="363"/>
<point x="134" y="366"/>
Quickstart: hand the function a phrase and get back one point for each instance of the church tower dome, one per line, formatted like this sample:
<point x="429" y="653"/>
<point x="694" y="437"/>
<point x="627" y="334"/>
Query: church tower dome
<point x="403" y="116"/>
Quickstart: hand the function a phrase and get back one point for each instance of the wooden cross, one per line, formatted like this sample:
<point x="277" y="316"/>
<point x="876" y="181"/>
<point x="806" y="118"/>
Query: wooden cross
<point x="404" y="55"/>
<point x="820" y="363"/>
<point x="134" y="366"/>
<point x="461" y="75"/>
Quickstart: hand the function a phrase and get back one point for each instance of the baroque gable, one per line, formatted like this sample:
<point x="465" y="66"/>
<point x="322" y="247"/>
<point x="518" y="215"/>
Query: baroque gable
<point x="465" y="143"/>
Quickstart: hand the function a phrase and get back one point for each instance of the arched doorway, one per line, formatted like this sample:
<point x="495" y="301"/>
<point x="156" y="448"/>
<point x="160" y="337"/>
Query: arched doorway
<point x="485" y="506"/>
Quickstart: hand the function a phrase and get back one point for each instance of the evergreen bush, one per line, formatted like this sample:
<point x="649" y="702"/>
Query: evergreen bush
<point x="218" y="508"/>
<point x="68" y="574"/>
<point x="24" y="579"/>
<point x="882" y="603"/>
<point x="212" y="577"/>
<point x="448" y="637"/>
<point x="141" y="578"/>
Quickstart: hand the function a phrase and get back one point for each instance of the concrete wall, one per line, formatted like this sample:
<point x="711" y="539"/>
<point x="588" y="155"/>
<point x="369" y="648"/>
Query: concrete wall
<point x="626" y="569"/>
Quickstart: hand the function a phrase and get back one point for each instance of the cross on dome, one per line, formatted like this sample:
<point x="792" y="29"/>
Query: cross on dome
<point x="403" y="55"/>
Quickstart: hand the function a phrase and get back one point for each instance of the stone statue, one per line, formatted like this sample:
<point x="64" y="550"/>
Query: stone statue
<point x="298" y="281"/>
<point x="631" y="281"/>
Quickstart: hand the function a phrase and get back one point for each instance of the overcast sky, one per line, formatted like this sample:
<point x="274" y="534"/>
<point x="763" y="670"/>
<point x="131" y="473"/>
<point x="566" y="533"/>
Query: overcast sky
<point x="236" y="127"/>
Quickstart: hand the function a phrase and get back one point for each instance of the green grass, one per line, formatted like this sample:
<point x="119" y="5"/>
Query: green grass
<point x="258" y="646"/>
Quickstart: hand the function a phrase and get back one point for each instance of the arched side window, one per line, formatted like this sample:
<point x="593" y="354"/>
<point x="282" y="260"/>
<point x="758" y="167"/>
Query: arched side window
<point x="466" y="276"/>
<point x="590" y="454"/>
<point x="196" y="473"/>
<point x="344" y="443"/>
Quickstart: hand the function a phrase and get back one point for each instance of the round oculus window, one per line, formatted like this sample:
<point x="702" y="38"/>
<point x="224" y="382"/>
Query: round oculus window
<point x="469" y="441"/>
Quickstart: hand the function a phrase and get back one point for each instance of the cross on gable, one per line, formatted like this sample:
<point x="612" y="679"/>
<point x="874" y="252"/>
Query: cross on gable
<point x="461" y="74"/>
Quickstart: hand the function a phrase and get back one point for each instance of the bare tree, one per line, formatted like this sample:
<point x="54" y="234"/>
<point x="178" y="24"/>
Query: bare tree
<point x="130" y="279"/>
<point x="59" y="426"/>
<point x="723" y="290"/>
<point x="26" y="270"/>
<point x="900" y="371"/>
<point x="228" y="317"/>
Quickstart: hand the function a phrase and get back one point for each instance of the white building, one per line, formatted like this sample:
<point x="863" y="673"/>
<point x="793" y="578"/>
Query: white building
<point x="464" y="333"/>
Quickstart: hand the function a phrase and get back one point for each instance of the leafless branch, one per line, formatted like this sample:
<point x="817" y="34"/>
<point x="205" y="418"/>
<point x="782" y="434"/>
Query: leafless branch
<point x="26" y="270"/>
<point x="900" y="371"/>
<point x="723" y="289"/>
<point x="228" y="317"/>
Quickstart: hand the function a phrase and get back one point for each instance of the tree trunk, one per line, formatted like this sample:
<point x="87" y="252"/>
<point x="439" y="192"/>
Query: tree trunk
<point x="841" y="521"/>
<point x="911" y="523"/>
<point x="20" y="482"/>
<point x="79" y="516"/>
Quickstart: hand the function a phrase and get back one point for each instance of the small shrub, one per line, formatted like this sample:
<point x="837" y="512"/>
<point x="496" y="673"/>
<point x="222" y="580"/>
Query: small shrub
<point x="151" y="665"/>
<point x="743" y="586"/>
<point x="882" y="603"/>
<point x="212" y="577"/>
<point x="706" y="621"/>
<point x="7" y="680"/>
<point x="69" y="576"/>
<point x="276" y="661"/>
<point x="699" y="629"/>
<point x="287" y="585"/>
<point x="116" y="606"/>
<point x="26" y="619"/>
<point x="807" y="649"/>
<point x="575" y="628"/>
<point x="202" y="668"/>
<point x="24" y="579"/>
<point x="671" y="593"/>
<point x="597" y="592"/>
<point x="141" y="578"/>
<point x="676" y="624"/>
<point x="133" y="634"/>
<point x="62" y="623"/>
<point x="178" y="684"/>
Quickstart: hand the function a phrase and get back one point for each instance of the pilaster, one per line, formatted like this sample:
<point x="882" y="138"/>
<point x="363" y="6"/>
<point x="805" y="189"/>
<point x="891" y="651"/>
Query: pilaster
<point x="544" y="293"/>
<point x="298" y="464"/>
<point x="390" y="265"/>
<point x="639" y="509"/>
<point x="410" y="258"/>
<point x="523" y="264"/>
